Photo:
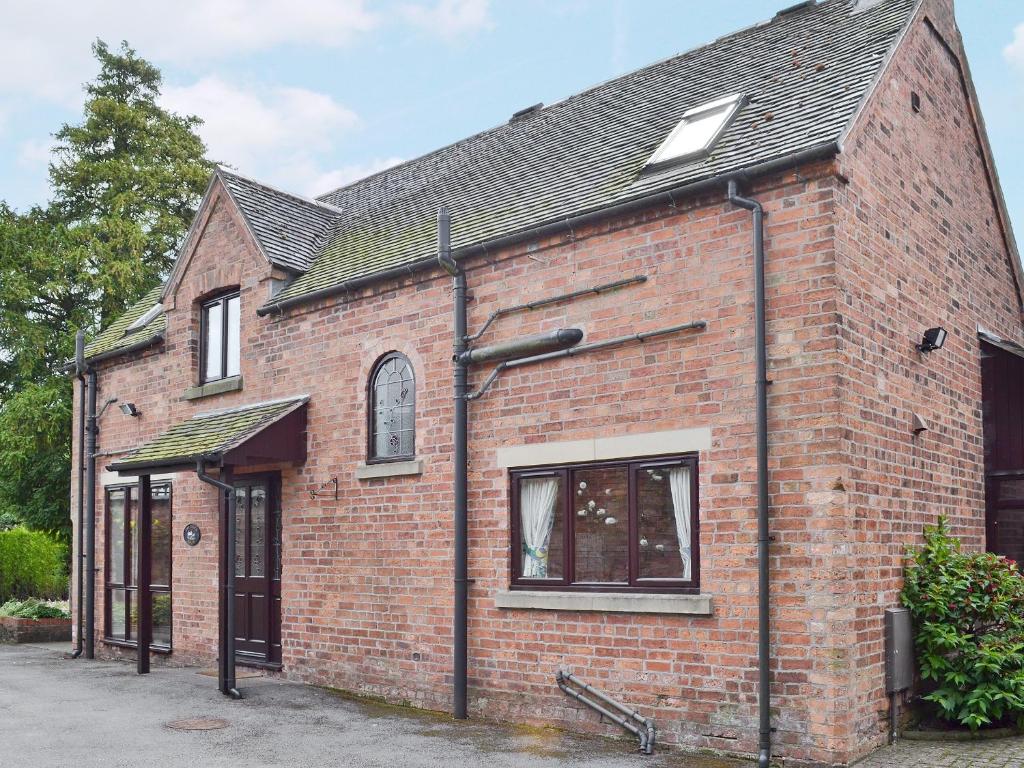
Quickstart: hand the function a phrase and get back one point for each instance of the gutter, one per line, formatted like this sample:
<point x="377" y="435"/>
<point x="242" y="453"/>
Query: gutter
<point x="571" y="223"/>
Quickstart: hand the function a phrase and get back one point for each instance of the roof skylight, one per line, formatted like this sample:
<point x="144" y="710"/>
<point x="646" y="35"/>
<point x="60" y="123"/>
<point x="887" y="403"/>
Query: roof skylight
<point x="698" y="131"/>
<point x="145" y="319"/>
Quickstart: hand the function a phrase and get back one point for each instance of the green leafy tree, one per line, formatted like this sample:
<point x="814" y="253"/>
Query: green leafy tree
<point x="126" y="182"/>
<point x="127" y="178"/>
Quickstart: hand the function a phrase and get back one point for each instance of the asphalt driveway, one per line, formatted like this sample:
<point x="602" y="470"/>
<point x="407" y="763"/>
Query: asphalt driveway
<point x="56" y="712"/>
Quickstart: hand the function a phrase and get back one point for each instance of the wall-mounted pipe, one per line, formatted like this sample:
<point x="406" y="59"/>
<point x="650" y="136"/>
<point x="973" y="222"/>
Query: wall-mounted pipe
<point x="539" y="344"/>
<point x="226" y="672"/>
<point x="91" y="431"/>
<point x="645" y="731"/>
<point x="80" y="500"/>
<point x="461" y="468"/>
<point x="763" y="535"/>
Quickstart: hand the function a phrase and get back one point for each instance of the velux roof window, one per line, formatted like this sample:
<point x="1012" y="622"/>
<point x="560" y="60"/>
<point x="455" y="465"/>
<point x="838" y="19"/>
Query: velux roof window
<point x="697" y="132"/>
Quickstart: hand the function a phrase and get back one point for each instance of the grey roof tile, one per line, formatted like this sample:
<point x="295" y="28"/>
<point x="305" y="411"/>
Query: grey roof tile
<point x="288" y="228"/>
<point x="804" y="74"/>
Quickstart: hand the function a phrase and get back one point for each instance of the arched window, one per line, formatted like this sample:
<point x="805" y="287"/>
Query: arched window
<point x="392" y="409"/>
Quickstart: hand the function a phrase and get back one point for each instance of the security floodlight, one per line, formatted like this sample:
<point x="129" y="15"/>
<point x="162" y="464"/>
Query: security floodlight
<point x="933" y="339"/>
<point x="129" y="409"/>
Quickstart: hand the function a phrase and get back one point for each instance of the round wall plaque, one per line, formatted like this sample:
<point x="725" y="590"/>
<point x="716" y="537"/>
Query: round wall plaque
<point x="192" y="534"/>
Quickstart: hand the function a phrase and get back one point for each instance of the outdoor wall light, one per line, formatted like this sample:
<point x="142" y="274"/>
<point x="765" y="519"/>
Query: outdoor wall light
<point x="933" y="339"/>
<point x="129" y="409"/>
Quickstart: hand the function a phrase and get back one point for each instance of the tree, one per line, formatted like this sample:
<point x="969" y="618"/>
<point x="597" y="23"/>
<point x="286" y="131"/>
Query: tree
<point x="126" y="183"/>
<point x="127" y="178"/>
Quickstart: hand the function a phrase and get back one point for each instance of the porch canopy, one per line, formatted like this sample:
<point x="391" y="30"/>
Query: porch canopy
<point x="262" y="433"/>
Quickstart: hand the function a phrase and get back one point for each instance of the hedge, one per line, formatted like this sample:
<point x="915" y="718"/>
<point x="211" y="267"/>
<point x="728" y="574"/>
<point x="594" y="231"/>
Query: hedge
<point x="31" y="565"/>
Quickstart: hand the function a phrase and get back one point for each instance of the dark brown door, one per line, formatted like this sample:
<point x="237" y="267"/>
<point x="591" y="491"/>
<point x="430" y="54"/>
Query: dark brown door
<point x="1003" y="412"/>
<point x="257" y="570"/>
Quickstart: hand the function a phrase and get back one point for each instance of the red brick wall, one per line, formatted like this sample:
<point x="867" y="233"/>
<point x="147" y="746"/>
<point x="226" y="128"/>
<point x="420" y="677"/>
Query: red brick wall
<point x="919" y="244"/>
<point x="367" y="579"/>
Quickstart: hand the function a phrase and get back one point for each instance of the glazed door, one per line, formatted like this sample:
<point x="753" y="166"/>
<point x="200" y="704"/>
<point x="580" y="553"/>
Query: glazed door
<point x="257" y="570"/>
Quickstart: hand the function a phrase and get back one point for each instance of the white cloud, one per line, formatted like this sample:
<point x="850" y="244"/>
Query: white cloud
<point x="449" y="18"/>
<point x="35" y="152"/>
<point x="1014" y="52"/>
<point x="46" y="54"/>
<point x="261" y="130"/>
<point x="313" y="182"/>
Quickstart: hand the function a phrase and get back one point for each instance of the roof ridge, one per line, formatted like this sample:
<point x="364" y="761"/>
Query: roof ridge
<point x="778" y="17"/>
<point x="298" y="198"/>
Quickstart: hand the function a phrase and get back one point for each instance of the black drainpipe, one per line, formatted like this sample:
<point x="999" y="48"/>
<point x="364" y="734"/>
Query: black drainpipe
<point x="761" y="353"/>
<point x="459" y="628"/>
<point x="91" y="431"/>
<point x="79" y="533"/>
<point x="226" y="673"/>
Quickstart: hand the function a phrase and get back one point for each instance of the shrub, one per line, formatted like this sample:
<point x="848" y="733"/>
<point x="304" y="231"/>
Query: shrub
<point x="31" y="565"/>
<point x="968" y="611"/>
<point x="35" y="609"/>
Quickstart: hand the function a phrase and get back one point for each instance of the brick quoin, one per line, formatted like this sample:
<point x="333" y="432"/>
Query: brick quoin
<point x="898" y="233"/>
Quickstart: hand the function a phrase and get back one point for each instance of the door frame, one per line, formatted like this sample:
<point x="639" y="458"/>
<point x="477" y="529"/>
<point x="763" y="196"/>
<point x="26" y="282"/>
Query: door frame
<point x="272" y="479"/>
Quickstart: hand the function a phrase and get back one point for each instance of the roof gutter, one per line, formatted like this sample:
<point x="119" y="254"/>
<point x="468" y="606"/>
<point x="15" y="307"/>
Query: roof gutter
<point x="671" y="195"/>
<point x="134" y="347"/>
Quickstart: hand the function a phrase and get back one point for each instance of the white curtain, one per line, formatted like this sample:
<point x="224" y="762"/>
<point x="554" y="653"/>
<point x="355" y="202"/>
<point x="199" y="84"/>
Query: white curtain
<point x="679" y="483"/>
<point x="537" y="496"/>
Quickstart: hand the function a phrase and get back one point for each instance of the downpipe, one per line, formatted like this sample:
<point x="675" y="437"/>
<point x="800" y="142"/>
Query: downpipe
<point x="91" y="430"/>
<point x="80" y="501"/>
<point x="227" y="682"/>
<point x="460" y="632"/>
<point x="646" y="734"/>
<point x="763" y="537"/>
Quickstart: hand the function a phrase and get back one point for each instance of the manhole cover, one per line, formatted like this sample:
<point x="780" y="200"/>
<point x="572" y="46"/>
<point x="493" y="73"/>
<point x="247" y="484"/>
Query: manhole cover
<point x="198" y="724"/>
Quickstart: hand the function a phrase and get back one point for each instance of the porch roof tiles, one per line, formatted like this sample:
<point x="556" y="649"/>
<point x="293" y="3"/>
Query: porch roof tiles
<point x="208" y="436"/>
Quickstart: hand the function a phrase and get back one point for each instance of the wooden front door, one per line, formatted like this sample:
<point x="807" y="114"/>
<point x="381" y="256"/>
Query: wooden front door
<point x="257" y="570"/>
<point x="1002" y="378"/>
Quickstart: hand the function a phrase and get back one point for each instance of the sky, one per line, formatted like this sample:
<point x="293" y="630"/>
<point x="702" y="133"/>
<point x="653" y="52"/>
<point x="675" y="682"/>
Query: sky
<point x="312" y="94"/>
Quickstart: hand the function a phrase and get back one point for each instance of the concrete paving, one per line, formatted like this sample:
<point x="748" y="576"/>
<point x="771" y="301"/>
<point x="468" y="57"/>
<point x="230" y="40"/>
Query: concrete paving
<point x="56" y="712"/>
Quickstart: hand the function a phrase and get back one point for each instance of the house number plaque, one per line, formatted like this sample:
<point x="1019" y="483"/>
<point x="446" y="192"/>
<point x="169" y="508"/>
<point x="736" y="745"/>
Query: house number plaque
<point x="192" y="534"/>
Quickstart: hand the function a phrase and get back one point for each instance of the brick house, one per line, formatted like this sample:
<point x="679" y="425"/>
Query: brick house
<point x="300" y="352"/>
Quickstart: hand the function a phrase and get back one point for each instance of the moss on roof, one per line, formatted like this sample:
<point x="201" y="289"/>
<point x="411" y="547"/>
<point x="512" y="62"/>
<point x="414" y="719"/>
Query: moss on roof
<point x="114" y="338"/>
<point x="208" y="435"/>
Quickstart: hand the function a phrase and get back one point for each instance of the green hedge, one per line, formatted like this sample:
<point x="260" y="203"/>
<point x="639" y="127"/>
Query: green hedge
<point x="31" y="565"/>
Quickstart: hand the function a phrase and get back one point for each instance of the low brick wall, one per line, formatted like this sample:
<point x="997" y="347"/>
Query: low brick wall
<point x="16" y="630"/>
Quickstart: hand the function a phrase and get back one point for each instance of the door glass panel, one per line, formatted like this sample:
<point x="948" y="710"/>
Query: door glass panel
<point x="115" y="568"/>
<point x="160" y="509"/>
<point x="133" y="614"/>
<point x="213" y="316"/>
<point x="240" y="532"/>
<point x="133" y="535"/>
<point x="663" y="509"/>
<point x="602" y="524"/>
<point x="233" y="341"/>
<point x="161" y="618"/>
<point x="118" y="606"/>
<point x="258" y="543"/>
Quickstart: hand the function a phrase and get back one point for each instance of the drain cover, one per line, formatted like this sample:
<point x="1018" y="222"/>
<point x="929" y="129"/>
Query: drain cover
<point x="198" y="724"/>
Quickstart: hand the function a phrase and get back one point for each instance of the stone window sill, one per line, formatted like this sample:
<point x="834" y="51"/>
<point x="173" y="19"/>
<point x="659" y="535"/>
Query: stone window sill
<point x="606" y="602"/>
<point x="219" y="387"/>
<point x="366" y="471"/>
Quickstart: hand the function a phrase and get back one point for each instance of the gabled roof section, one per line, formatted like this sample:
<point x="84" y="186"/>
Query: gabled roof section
<point x="802" y="74"/>
<point x="287" y="227"/>
<point x="116" y="338"/>
<point x="209" y="436"/>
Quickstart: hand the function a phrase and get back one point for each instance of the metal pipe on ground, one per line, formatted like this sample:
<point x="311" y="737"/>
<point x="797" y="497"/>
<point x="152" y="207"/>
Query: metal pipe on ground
<point x="227" y="661"/>
<point x="763" y="535"/>
<point x="645" y="735"/>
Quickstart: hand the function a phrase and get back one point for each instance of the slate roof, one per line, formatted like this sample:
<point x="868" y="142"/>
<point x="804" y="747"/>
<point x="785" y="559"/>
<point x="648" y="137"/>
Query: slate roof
<point x="113" y="338"/>
<point x="288" y="228"/>
<point x="804" y="73"/>
<point x="208" y="435"/>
